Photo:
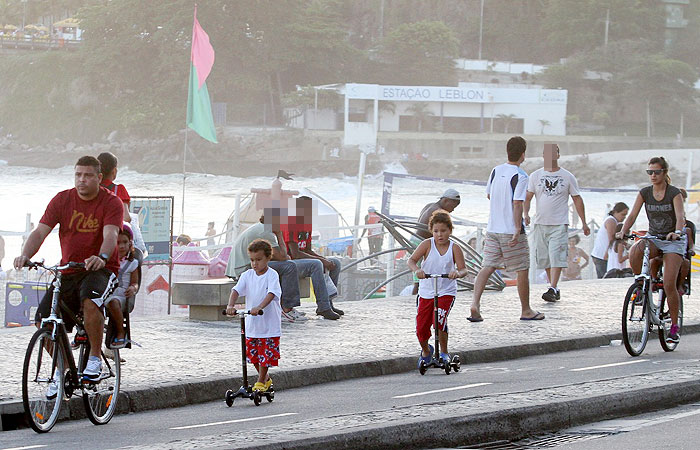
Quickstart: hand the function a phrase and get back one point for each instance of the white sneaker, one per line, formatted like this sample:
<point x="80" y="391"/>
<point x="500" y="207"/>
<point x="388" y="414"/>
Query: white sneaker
<point x="52" y="391"/>
<point x="93" y="368"/>
<point x="287" y="317"/>
<point x="298" y="316"/>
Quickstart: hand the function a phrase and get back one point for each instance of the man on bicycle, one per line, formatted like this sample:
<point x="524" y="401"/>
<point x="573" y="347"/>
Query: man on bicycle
<point x="90" y="218"/>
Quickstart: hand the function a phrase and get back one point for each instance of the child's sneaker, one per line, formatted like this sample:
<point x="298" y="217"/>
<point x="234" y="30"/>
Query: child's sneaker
<point x="672" y="337"/>
<point x="445" y="357"/>
<point x="260" y="387"/>
<point x="426" y="359"/>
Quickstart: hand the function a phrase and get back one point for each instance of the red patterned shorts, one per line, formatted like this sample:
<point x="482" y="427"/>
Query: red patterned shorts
<point x="263" y="351"/>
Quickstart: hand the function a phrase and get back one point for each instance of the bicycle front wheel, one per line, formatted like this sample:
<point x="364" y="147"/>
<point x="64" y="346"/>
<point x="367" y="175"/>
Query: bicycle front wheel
<point x="42" y="381"/>
<point x="635" y="320"/>
<point x="100" y="396"/>
<point x="665" y="327"/>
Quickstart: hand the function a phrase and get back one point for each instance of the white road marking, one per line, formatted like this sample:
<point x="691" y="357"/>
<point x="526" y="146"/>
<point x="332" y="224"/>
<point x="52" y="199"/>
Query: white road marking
<point x="456" y="388"/>
<point x="581" y="369"/>
<point x="25" y="448"/>
<point x="187" y="427"/>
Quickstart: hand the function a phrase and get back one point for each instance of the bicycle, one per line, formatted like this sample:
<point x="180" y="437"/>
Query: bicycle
<point x="641" y="311"/>
<point x="46" y="381"/>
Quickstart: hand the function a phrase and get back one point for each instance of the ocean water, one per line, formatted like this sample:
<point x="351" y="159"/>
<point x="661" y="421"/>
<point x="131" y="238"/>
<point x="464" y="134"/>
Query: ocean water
<point x="27" y="190"/>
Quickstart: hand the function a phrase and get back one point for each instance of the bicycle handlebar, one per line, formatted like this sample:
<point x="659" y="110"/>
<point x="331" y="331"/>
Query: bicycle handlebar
<point x="69" y="265"/>
<point x="646" y="236"/>
<point x="242" y="313"/>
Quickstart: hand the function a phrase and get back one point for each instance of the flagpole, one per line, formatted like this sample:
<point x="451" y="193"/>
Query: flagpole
<point x="184" y="176"/>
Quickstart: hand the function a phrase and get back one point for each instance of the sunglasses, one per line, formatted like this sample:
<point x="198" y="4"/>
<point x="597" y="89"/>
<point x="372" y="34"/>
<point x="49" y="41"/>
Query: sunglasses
<point x="655" y="171"/>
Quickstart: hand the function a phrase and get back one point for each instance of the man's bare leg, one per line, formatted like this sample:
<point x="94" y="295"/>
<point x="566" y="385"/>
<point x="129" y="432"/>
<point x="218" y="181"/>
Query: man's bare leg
<point x="523" y="282"/>
<point x="94" y="326"/>
<point x="479" y="286"/>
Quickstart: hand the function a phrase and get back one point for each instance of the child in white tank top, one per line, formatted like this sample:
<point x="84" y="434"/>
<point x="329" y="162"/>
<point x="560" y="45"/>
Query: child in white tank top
<point x="439" y="256"/>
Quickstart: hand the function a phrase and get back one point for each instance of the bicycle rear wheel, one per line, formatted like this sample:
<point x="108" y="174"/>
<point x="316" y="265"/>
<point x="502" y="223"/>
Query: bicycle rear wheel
<point x="666" y="323"/>
<point x="635" y="320"/>
<point x="100" y="396"/>
<point x="42" y="381"/>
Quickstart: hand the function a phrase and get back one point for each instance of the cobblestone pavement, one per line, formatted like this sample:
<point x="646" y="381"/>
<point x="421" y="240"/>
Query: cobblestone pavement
<point x="180" y="350"/>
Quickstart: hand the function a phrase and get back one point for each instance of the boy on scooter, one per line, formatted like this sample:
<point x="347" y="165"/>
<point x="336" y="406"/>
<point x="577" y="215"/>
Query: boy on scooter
<point x="439" y="256"/>
<point x="261" y="287"/>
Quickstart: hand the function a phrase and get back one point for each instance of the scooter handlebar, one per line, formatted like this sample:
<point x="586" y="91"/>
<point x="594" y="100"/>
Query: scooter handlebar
<point x="243" y="313"/>
<point x="435" y="275"/>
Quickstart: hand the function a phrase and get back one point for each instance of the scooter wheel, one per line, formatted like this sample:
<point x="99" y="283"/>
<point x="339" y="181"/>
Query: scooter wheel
<point x="456" y="363"/>
<point x="421" y="368"/>
<point x="447" y="368"/>
<point x="270" y="396"/>
<point x="257" y="398"/>
<point x="229" y="398"/>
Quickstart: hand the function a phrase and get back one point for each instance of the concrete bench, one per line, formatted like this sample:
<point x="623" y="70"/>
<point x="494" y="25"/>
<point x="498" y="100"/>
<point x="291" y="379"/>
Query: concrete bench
<point x="207" y="298"/>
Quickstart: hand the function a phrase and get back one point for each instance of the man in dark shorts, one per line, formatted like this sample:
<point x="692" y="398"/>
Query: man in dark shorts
<point x="90" y="218"/>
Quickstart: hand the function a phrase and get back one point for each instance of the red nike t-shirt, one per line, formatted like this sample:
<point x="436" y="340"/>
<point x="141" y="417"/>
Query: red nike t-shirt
<point x="82" y="223"/>
<point x="299" y="233"/>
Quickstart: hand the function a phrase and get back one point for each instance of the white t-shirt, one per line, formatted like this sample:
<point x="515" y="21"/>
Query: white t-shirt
<point x="552" y="191"/>
<point x="255" y="287"/>
<point x="506" y="183"/>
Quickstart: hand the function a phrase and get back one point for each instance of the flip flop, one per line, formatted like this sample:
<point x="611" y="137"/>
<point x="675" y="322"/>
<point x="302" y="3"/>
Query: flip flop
<point x="475" y="319"/>
<point x="538" y="316"/>
<point x="118" y="344"/>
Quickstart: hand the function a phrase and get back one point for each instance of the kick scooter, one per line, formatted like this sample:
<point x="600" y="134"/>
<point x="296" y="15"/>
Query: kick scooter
<point x="436" y="360"/>
<point x="246" y="391"/>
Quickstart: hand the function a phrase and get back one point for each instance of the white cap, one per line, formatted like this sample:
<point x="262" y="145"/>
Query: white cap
<point x="451" y="194"/>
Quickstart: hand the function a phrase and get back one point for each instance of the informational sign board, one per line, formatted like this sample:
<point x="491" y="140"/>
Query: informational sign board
<point x="156" y="224"/>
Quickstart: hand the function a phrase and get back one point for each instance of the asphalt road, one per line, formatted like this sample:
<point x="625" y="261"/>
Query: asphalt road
<point x="372" y="403"/>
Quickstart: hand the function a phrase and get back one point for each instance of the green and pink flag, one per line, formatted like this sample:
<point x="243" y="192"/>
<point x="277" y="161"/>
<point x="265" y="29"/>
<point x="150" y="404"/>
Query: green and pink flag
<point x="199" y="116"/>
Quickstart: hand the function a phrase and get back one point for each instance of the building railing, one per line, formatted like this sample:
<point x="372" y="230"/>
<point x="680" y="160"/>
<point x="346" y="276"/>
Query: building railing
<point x="38" y="42"/>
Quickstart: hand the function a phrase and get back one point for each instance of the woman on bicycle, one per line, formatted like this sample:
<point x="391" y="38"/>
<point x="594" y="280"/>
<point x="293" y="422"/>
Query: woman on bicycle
<point x="664" y="207"/>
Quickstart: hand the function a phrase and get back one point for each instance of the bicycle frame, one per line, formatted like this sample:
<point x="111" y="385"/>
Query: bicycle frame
<point x="646" y="278"/>
<point x="59" y="331"/>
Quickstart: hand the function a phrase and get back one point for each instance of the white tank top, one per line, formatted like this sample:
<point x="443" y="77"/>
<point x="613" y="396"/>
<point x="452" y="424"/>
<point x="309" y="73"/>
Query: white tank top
<point x="613" y="260"/>
<point x="601" y="240"/>
<point x="435" y="263"/>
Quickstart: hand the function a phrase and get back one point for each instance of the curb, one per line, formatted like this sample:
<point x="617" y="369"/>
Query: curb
<point x="178" y="394"/>
<point x="506" y="425"/>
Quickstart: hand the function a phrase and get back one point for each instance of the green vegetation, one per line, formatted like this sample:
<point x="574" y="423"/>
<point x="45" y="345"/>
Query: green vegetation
<point x="131" y="73"/>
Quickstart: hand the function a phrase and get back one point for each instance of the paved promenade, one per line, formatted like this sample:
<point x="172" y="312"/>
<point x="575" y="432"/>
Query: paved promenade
<point x="177" y="350"/>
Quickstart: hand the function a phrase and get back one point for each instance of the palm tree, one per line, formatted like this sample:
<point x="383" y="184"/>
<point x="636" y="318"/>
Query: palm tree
<point x="421" y="113"/>
<point x="507" y="119"/>
<point x="545" y="123"/>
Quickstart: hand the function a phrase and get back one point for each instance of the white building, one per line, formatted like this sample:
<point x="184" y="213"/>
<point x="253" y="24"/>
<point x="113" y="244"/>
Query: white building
<point x="466" y="108"/>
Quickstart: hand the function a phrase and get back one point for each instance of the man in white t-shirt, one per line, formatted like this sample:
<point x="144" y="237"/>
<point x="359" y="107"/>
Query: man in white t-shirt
<point x="552" y="186"/>
<point x="505" y="245"/>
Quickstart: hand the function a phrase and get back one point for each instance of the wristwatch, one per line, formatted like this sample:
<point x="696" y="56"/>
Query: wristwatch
<point x="104" y="257"/>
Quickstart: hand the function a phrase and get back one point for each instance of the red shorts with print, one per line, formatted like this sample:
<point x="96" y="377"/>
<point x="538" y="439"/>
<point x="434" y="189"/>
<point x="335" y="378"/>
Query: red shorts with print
<point x="263" y="351"/>
<point x="426" y="315"/>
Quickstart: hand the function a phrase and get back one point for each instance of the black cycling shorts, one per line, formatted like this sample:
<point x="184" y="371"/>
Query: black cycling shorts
<point x="93" y="285"/>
